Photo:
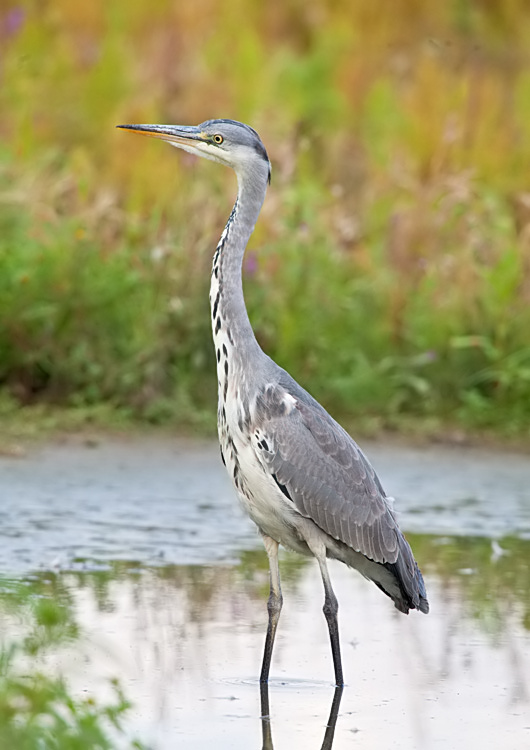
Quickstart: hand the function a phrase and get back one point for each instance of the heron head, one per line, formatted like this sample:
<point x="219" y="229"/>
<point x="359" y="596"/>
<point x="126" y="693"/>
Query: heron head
<point x="229" y="142"/>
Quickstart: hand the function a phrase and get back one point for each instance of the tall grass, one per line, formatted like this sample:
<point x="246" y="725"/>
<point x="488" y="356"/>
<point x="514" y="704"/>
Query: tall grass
<point x="390" y="269"/>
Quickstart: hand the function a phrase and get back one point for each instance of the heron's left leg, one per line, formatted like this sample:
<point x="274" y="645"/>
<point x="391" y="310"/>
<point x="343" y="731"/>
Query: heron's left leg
<point x="274" y="604"/>
<point x="331" y="607"/>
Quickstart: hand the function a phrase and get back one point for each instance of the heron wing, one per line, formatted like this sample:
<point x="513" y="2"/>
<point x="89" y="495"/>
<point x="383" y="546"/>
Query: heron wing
<point x="324" y="473"/>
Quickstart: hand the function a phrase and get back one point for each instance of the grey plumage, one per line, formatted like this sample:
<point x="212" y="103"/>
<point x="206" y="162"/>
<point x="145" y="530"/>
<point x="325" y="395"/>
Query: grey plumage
<point x="299" y="475"/>
<point x="330" y="481"/>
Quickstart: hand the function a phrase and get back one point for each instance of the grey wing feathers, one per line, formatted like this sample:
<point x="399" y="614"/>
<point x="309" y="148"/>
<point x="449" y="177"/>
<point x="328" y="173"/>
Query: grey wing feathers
<point x="330" y="481"/>
<point x="327" y="475"/>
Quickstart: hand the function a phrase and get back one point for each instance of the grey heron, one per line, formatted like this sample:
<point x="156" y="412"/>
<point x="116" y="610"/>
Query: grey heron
<point x="299" y="475"/>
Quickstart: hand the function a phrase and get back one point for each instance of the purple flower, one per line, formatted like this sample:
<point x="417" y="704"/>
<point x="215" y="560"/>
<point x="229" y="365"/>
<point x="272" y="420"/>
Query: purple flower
<point x="13" y="20"/>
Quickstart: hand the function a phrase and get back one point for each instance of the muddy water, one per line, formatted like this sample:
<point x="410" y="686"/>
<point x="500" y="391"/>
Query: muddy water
<point x="146" y="549"/>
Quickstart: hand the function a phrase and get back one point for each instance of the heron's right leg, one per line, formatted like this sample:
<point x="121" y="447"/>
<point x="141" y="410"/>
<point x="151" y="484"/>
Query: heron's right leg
<point x="274" y="604"/>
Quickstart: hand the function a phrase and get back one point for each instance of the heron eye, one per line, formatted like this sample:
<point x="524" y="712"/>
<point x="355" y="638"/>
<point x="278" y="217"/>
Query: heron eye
<point x="218" y="139"/>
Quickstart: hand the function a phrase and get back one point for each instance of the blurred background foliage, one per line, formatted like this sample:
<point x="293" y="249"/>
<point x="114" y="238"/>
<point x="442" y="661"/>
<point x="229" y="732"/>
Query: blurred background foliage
<point x="390" y="269"/>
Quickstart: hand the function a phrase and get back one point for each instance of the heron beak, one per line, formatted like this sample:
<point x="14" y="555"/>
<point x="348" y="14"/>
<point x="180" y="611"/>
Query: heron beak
<point x="182" y="135"/>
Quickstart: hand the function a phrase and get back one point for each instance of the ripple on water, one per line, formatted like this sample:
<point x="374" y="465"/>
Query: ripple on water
<point x="293" y="683"/>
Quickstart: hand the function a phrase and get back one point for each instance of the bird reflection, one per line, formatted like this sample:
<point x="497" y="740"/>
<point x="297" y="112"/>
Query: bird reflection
<point x="266" y="727"/>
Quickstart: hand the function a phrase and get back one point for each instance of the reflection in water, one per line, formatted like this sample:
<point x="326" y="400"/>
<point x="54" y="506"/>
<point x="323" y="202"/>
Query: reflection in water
<point x="186" y="643"/>
<point x="332" y="721"/>
<point x="266" y="729"/>
<point x="487" y="582"/>
<point x="37" y="709"/>
<point x="266" y="721"/>
<point x="185" y="640"/>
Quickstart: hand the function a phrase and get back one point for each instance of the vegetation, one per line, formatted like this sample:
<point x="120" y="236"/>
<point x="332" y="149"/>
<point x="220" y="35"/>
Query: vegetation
<point x="37" y="711"/>
<point x="389" y="271"/>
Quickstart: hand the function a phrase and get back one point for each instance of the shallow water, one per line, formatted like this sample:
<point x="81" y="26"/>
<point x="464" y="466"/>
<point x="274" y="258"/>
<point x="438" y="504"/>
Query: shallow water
<point x="144" y="546"/>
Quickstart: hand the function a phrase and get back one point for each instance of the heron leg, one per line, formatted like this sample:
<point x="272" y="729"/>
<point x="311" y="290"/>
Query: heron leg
<point x="330" y="609"/>
<point x="266" y="730"/>
<point x="274" y="605"/>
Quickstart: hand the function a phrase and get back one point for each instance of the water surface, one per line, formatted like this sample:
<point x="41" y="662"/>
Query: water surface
<point x="144" y="547"/>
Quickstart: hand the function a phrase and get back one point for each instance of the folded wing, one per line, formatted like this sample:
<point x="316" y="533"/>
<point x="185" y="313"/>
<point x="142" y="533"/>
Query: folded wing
<point x="327" y="477"/>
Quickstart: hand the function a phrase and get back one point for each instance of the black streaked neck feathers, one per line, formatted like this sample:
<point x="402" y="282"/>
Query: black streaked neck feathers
<point x="226" y="292"/>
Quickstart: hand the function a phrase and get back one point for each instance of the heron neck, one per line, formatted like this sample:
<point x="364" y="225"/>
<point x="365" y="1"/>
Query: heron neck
<point x="229" y="313"/>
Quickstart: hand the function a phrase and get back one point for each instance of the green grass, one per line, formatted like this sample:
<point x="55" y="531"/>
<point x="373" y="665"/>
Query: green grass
<point x="389" y="270"/>
<point x="37" y="709"/>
